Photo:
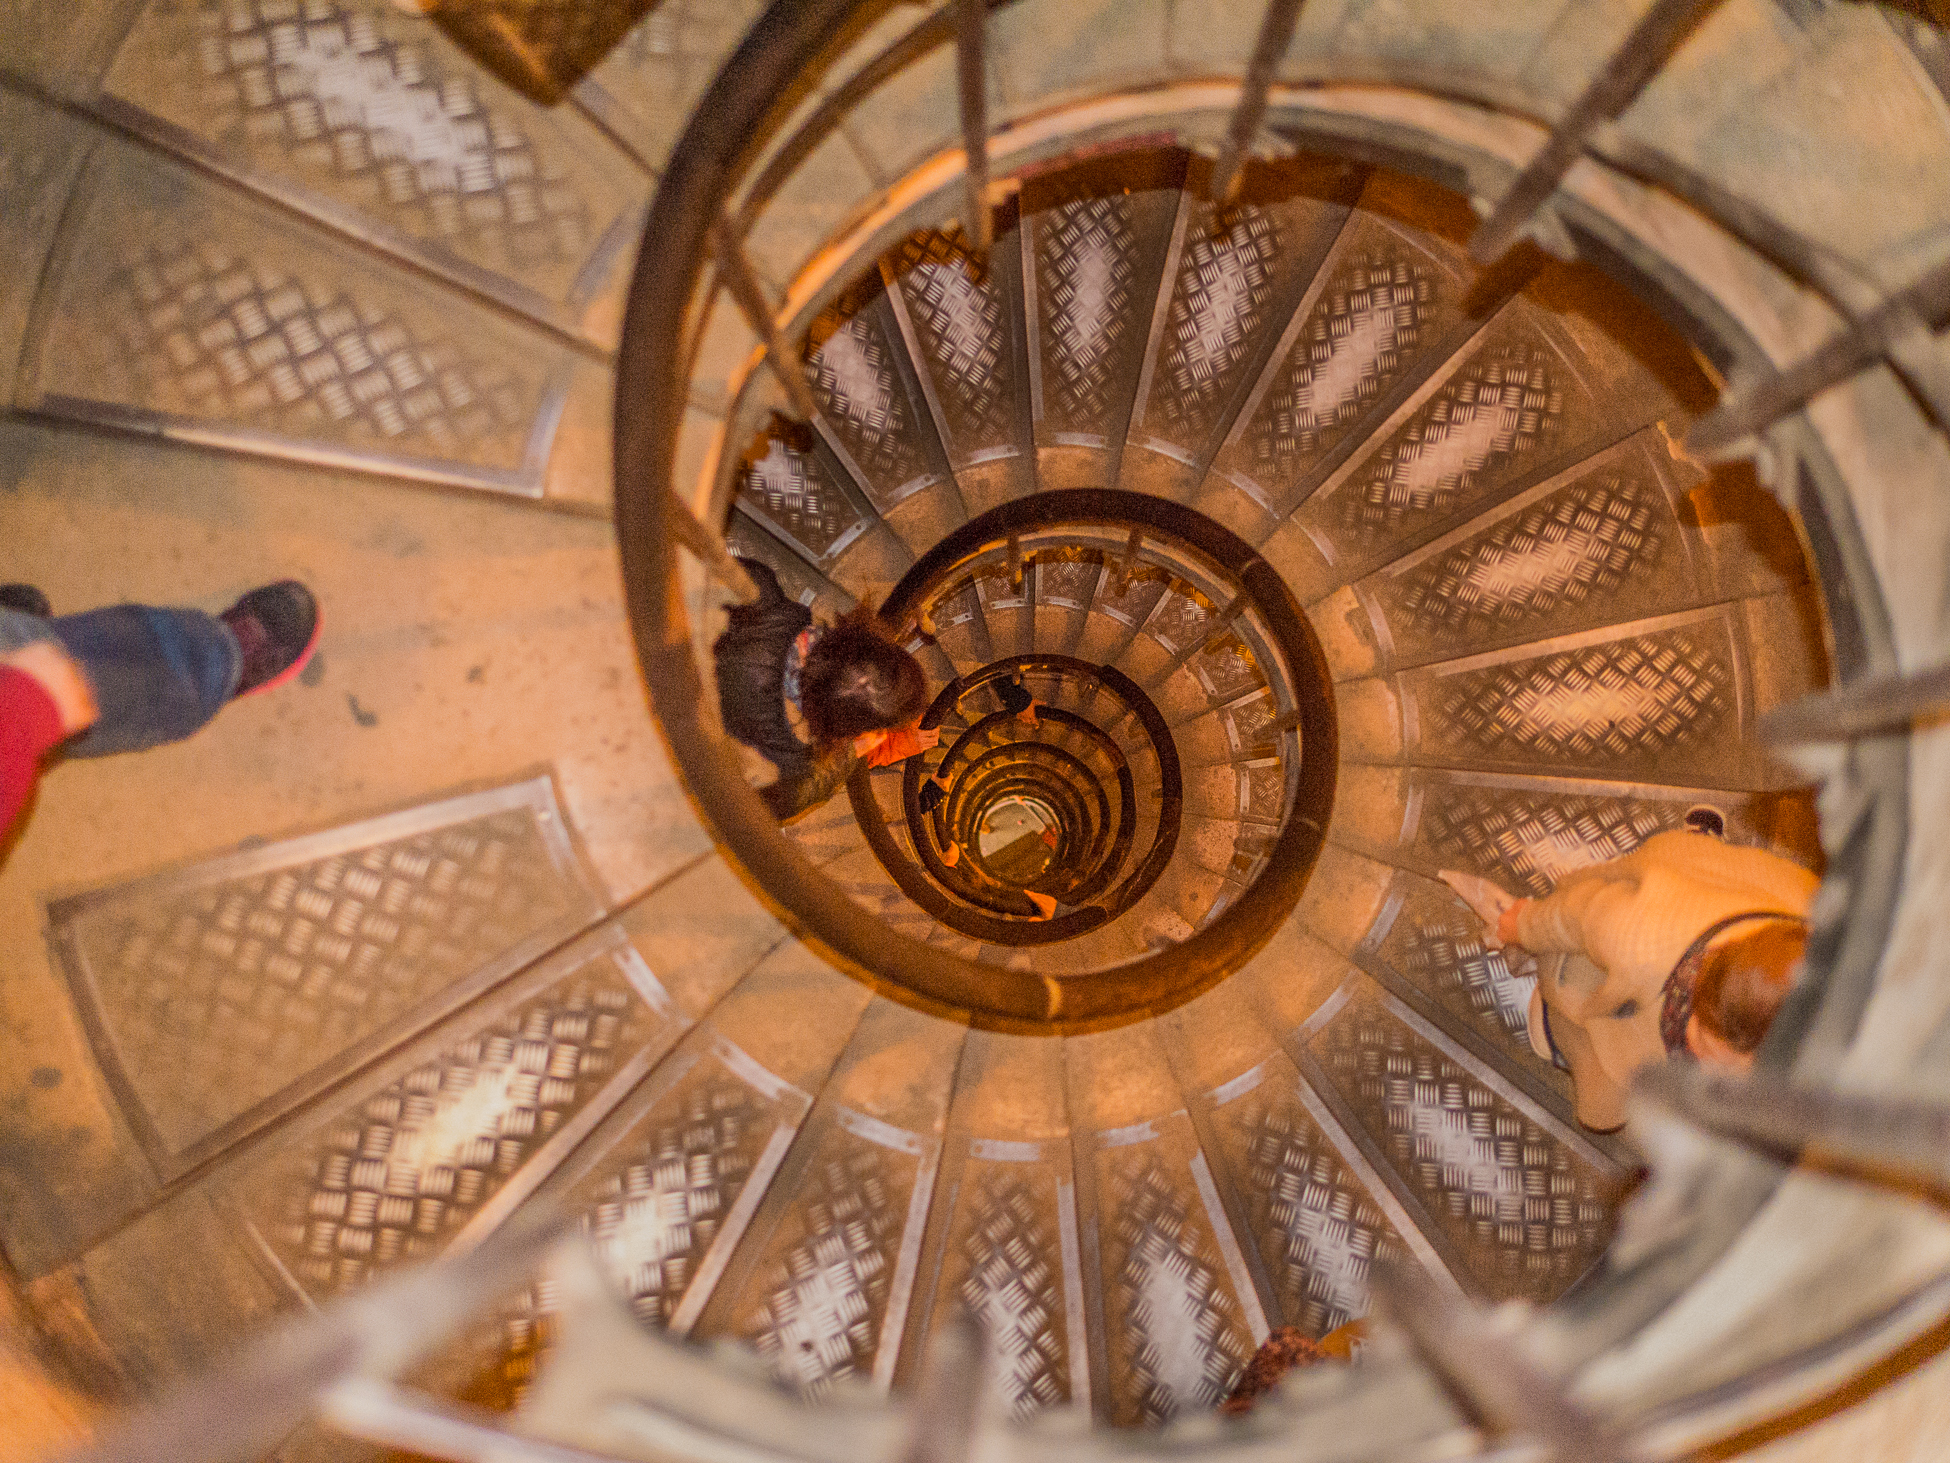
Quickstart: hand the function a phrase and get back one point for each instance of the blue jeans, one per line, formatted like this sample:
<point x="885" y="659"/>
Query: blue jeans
<point x="157" y="674"/>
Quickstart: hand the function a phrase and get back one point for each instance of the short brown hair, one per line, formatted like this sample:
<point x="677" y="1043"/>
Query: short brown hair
<point x="1743" y="982"/>
<point x="858" y="680"/>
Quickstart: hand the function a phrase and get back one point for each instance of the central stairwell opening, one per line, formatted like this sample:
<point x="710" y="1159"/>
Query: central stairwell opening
<point x="1332" y="560"/>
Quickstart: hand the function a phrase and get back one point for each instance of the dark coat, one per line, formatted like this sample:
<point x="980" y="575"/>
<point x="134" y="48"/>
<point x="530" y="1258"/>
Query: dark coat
<point x="750" y="658"/>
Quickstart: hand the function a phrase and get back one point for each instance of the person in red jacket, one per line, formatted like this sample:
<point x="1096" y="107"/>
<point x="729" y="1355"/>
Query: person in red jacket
<point x="129" y="677"/>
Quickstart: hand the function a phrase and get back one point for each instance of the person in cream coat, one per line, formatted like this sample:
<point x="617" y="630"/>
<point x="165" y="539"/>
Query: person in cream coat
<point x="1684" y="947"/>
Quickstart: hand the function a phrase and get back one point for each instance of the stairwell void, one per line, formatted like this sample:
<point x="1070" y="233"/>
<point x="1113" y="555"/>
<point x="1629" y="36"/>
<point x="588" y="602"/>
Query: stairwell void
<point x="1111" y="462"/>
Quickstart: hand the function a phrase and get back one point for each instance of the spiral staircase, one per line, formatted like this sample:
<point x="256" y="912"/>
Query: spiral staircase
<point x="1333" y="557"/>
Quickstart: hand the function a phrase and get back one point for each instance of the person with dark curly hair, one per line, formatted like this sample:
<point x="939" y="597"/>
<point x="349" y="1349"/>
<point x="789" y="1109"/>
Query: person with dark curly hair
<point x="816" y="699"/>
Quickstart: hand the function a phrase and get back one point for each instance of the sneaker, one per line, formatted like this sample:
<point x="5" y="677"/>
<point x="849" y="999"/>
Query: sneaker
<point x="1015" y="697"/>
<point x="1708" y="820"/>
<point x="933" y="794"/>
<point x="277" y="630"/>
<point x="25" y="598"/>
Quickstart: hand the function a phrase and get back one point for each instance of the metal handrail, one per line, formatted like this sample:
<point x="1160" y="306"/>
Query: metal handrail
<point x="1865" y="856"/>
<point x="971" y="82"/>
<point x="741" y="105"/>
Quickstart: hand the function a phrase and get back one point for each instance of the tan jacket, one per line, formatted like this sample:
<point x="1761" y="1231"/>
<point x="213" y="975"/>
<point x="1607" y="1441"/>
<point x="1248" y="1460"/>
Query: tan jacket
<point x="1607" y="937"/>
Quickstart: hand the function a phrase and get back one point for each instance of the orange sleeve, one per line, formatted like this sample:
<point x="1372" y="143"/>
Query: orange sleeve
<point x="898" y="745"/>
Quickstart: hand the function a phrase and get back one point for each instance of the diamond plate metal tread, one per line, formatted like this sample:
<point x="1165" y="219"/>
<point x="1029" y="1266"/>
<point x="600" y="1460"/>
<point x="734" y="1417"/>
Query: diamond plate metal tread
<point x="1527" y="833"/>
<point x="373" y="120"/>
<point x="961" y="322"/>
<point x="1069" y="580"/>
<point x="1001" y="592"/>
<point x="1599" y="544"/>
<point x="1240" y="272"/>
<point x="1381" y="299"/>
<point x="1319" y="1229"/>
<point x="440" y="1152"/>
<point x="1005" y="1237"/>
<point x="1249" y="727"/>
<point x="1008" y="1254"/>
<point x="663" y="1192"/>
<point x="1507" y="404"/>
<point x="1095" y="243"/>
<point x="1663" y="697"/>
<point x="1520" y="1207"/>
<point x="1176" y="1332"/>
<point x="789" y="481"/>
<point x="1087" y="271"/>
<point x="1182" y="618"/>
<point x="1435" y="943"/>
<point x="1132" y="601"/>
<point x="1518" y="398"/>
<point x="177" y="307"/>
<point x="1227" y="669"/>
<point x="870" y="407"/>
<point x="220" y="994"/>
<point x="1262" y="791"/>
<point x="821" y="1284"/>
<point x="818" y="1301"/>
<point x="1228" y="278"/>
<point x="960" y="604"/>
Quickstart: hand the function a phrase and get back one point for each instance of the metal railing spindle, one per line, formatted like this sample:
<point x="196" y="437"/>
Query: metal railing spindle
<point x="1275" y="35"/>
<point x="1121" y="578"/>
<point x="1860" y="708"/>
<point x="749" y="295"/>
<point x="1911" y="312"/>
<point x="709" y="549"/>
<point x="1903" y="1143"/>
<point x="1475" y="1353"/>
<point x="1619" y="81"/>
<point x="970" y="74"/>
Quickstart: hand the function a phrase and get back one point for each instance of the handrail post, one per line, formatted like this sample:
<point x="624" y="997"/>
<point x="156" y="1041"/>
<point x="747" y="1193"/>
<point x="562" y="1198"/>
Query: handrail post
<point x="1227" y="617"/>
<point x="1122" y="577"/>
<point x="970" y="74"/>
<point x="1618" y="82"/>
<point x="736" y="272"/>
<point x="711" y="551"/>
<point x="1491" y="1372"/>
<point x="1916" y="309"/>
<point x="1858" y="709"/>
<point x="1276" y="29"/>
